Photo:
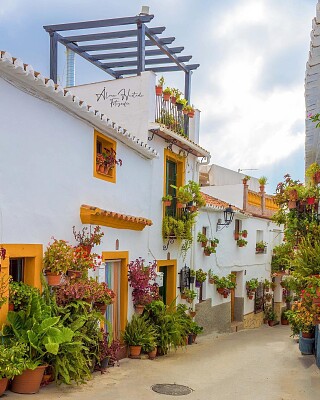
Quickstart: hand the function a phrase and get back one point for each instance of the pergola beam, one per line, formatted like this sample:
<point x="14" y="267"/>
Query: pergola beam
<point x="99" y="24"/>
<point x="133" y="54"/>
<point x="111" y="35"/>
<point x="158" y="69"/>
<point x="150" y="61"/>
<point x="123" y="45"/>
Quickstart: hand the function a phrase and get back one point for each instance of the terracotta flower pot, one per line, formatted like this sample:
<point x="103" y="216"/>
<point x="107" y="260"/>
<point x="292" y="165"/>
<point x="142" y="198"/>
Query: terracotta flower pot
<point x="181" y="205"/>
<point x="271" y="323"/>
<point x="173" y="99"/>
<point x="152" y="354"/>
<point x="192" y="313"/>
<point x="158" y="90"/>
<point x="29" y="381"/>
<point x="166" y="96"/>
<point x="11" y="307"/>
<point x="191" y="114"/>
<point x="308" y="335"/>
<point x="53" y="279"/>
<point x="167" y="203"/>
<point x="316" y="177"/>
<point x="139" y="308"/>
<point x="135" y="351"/>
<point x="3" y="385"/>
<point x="74" y="274"/>
<point x="211" y="280"/>
<point x="292" y="204"/>
<point x="102" y="307"/>
<point x="284" y="322"/>
<point x="86" y="249"/>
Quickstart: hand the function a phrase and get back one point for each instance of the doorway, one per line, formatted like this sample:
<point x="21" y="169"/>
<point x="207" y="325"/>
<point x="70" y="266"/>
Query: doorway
<point x="114" y="272"/>
<point x="168" y="290"/>
<point x="234" y="280"/>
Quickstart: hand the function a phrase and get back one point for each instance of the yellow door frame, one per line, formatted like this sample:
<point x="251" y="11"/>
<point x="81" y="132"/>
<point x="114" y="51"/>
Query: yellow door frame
<point x="123" y="256"/>
<point x="171" y="278"/>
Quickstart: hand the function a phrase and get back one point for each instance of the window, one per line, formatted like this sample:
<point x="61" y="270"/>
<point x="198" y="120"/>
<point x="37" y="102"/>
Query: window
<point x="237" y="228"/>
<point x="258" y="300"/>
<point x="104" y="145"/>
<point x="173" y="175"/>
<point x="16" y="269"/>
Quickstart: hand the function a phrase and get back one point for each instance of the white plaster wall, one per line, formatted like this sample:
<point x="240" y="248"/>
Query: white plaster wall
<point x="46" y="173"/>
<point x="230" y="258"/>
<point x="221" y="176"/>
<point x="130" y="102"/>
<point x="232" y="194"/>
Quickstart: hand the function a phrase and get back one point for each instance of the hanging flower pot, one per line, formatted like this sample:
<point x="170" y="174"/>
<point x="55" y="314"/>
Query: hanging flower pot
<point x="179" y="106"/>
<point x="53" y="279"/>
<point x="102" y="307"/>
<point x="166" y="96"/>
<point x="191" y="279"/>
<point x="173" y="99"/>
<point x="308" y="335"/>
<point x="191" y="114"/>
<point x="211" y="280"/>
<point x="158" y="90"/>
<point x="198" y="284"/>
<point x="316" y="177"/>
<point x="72" y="274"/>
<point x="292" y="204"/>
<point x="139" y="308"/>
<point x="181" y="205"/>
<point x="250" y="295"/>
<point x="167" y="203"/>
<point x="192" y="314"/>
<point x="293" y="195"/>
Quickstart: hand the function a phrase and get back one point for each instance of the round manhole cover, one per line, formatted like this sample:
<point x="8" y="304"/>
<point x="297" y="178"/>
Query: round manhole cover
<point x="171" y="389"/>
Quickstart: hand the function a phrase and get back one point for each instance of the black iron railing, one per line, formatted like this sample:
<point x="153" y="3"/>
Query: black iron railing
<point x="171" y="116"/>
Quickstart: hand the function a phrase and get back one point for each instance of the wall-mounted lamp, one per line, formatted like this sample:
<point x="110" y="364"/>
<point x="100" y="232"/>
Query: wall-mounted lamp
<point x="145" y="10"/>
<point x="228" y="218"/>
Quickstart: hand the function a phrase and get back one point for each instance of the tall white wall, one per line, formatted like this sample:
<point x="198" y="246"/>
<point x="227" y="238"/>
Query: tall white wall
<point x="129" y="102"/>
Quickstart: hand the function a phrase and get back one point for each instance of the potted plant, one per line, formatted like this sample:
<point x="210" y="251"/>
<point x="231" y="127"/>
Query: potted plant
<point x="246" y="179"/>
<point x="138" y="332"/>
<point x="313" y="173"/>
<point x="166" y="94"/>
<point x="142" y="279"/>
<point x="270" y="316"/>
<point x="110" y="160"/>
<point x="208" y="250"/>
<point x="176" y="94"/>
<point x="190" y="295"/>
<point x="19" y="295"/>
<point x="12" y="362"/>
<point x="201" y="238"/>
<point x="108" y="351"/>
<point x="266" y="285"/>
<point x="241" y="242"/>
<point x="43" y="334"/>
<point x="284" y="318"/>
<point x="201" y="276"/>
<point x="262" y="181"/>
<point x="189" y="110"/>
<point x="273" y="285"/>
<point x="268" y="297"/>
<point x="251" y="287"/>
<point x="102" y="295"/>
<point x="244" y="233"/>
<point x="57" y="259"/>
<point x="82" y="262"/>
<point x="167" y="200"/>
<point x="224" y="284"/>
<point x="192" y="275"/>
<point x="261" y="246"/>
<point x="211" y="276"/>
<point x="159" y="86"/>
<point x="88" y="239"/>
<point x="181" y="103"/>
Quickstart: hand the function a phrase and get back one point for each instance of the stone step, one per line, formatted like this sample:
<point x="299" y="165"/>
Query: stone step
<point x="236" y="326"/>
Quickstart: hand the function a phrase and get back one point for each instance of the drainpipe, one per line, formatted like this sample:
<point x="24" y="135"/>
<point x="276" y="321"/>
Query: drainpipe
<point x="70" y="81"/>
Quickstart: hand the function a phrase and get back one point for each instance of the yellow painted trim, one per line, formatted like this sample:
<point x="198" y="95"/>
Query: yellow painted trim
<point x="110" y="143"/>
<point x="254" y="199"/>
<point x="33" y="254"/>
<point x="171" y="278"/>
<point x="89" y="216"/>
<point x="124" y="257"/>
<point x="271" y="205"/>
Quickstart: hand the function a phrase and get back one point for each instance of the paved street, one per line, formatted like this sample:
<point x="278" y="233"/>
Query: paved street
<point x="261" y="364"/>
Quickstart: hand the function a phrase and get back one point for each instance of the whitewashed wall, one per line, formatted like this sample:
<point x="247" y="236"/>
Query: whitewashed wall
<point x="129" y="102"/>
<point x="231" y="258"/>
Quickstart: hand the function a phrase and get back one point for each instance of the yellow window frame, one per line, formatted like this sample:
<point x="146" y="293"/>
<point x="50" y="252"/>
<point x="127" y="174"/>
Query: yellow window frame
<point x="109" y="144"/>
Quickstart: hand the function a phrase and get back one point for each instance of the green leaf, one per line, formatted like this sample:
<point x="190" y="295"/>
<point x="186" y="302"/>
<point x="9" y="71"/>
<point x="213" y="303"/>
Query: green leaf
<point x="52" y="348"/>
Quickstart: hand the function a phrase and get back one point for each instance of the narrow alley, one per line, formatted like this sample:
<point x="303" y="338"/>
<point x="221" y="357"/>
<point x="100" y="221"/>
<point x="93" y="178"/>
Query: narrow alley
<point x="260" y="364"/>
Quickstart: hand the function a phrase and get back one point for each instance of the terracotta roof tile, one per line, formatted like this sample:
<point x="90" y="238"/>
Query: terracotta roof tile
<point x="217" y="203"/>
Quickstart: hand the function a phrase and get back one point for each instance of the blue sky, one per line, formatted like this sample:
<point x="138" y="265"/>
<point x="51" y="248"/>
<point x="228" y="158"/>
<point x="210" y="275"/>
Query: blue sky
<point x="250" y="84"/>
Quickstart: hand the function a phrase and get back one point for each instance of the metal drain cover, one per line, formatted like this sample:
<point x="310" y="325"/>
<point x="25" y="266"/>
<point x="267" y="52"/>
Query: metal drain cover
<point x="171" y="389"/>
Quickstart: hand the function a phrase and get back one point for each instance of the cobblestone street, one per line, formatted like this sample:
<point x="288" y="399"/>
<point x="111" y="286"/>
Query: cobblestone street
<point x="261" y="364"/>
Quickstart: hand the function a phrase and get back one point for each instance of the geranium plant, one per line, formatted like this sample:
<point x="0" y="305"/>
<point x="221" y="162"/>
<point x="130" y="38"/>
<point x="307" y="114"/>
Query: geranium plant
<point x="58" y="256"/>
<point x="88" y="238"/>
<point x="110" y="158"/>
<point x="201" y="276"/>
<point x="142" y="280"/>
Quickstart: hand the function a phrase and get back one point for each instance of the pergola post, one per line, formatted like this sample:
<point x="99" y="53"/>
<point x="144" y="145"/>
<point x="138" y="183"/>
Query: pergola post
<point x="53" y="57"/>
<point x="141" y="36"/>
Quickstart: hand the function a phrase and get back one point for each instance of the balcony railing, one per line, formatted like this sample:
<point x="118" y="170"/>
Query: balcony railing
<point x="171" y="116"/>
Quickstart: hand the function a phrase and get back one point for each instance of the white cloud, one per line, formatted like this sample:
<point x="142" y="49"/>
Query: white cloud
<point x="260" y="127"/>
